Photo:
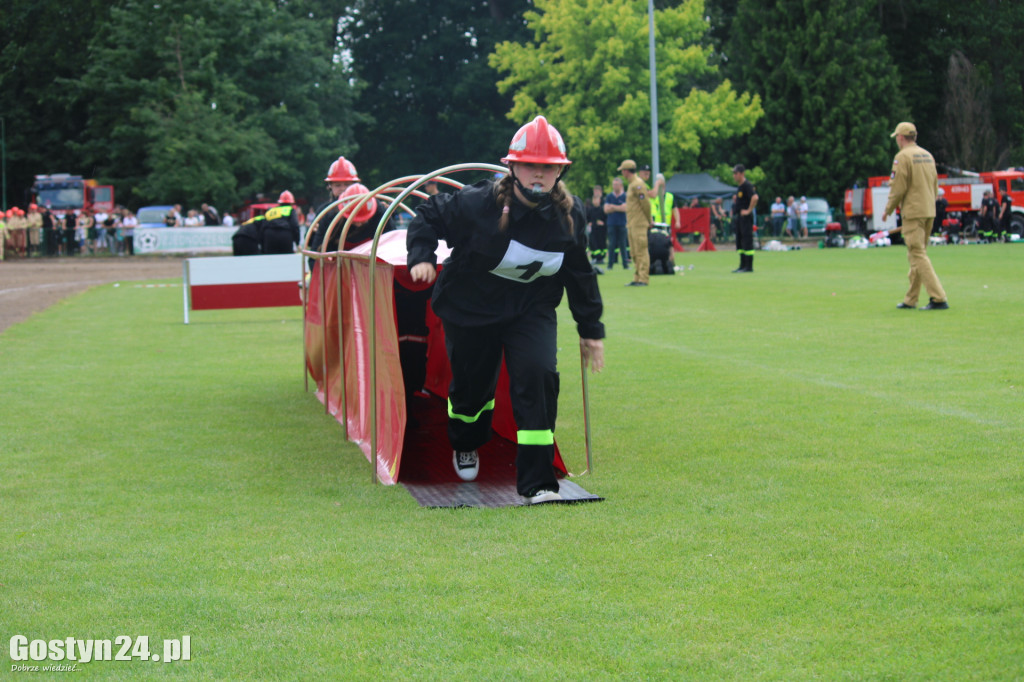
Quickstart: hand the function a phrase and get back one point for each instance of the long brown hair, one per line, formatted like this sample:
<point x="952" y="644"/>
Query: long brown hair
<point x="560" y="197"/>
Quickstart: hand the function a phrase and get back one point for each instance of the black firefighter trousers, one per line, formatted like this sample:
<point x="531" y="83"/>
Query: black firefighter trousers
<point x="529" y="344"/>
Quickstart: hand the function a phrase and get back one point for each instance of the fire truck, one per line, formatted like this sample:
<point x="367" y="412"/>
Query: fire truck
<point x="62" y="191"/>
<point x="963" y="189"/>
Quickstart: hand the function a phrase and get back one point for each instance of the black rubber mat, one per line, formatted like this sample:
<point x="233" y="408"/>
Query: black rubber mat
<point x="477" y="494"/>
<point x="429" y="476"/>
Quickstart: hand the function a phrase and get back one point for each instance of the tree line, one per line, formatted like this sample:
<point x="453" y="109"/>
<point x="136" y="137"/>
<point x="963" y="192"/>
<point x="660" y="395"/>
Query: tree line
<point x="194" y="101"/>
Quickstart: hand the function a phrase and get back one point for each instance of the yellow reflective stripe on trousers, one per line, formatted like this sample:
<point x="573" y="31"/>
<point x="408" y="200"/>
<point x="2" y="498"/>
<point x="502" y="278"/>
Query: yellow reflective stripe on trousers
<point x="546" y="437"/>
<point x="466" y="418"/>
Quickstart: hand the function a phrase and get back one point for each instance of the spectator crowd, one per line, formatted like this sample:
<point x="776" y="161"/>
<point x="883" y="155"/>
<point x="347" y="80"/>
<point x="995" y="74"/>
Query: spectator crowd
<point x="40" y="231"/>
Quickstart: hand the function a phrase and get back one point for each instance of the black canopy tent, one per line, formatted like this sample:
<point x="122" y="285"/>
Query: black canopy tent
<point x="686" y="186"/>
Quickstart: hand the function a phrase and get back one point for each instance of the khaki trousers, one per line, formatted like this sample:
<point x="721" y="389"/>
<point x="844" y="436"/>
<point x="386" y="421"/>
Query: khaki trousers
<point x="916" y="232"/>
<point x="638" y="251"/>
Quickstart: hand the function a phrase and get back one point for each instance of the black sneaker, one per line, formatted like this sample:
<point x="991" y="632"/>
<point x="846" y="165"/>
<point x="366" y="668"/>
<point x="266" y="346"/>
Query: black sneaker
<point x="904" y="306"/>
<point x="935" y="305"/>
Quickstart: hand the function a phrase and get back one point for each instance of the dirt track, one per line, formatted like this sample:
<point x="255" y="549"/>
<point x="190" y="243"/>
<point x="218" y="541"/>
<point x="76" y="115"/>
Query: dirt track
<point x="31" y="285"/>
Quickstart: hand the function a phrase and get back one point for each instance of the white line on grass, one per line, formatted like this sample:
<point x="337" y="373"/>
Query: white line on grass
<point x="53" y="285"/>
<point x="819" y="380"/>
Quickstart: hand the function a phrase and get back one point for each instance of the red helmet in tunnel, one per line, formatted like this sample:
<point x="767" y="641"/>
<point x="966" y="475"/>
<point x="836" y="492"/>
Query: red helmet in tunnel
<point x="366" y="211"/>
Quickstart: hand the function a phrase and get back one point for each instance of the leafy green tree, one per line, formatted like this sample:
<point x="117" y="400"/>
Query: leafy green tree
<point x="830" y="102"/>
<point x="967" y="134"/>
<point x="196" y="101"/>
<point x="41" y="49"/>
<point x="961" y="64"/>
<point x="720" y="15"/>
<point x="587" y="71"/>
<point x="429" y="94"/>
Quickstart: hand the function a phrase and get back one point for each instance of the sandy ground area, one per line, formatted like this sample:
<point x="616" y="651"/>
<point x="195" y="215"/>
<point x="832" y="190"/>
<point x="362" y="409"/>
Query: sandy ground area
<point x="31" y="285"/>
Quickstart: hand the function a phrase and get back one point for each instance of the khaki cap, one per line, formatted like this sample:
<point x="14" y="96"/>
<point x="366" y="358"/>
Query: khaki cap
<point x="904" y="128"/>
<point x="628" y="164"/>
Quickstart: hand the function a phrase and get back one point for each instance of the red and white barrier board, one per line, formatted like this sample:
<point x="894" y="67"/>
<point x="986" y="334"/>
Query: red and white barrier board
<point x="241" y="282"/>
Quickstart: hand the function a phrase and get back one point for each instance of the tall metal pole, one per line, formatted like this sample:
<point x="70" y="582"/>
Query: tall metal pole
<point x="655" y="161"/>
<point x="3" y="154"/>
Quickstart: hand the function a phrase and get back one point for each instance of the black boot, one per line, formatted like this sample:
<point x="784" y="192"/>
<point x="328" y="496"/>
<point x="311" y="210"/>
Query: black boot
<point x="743" y="264"/>
<point x="750" y="263"/>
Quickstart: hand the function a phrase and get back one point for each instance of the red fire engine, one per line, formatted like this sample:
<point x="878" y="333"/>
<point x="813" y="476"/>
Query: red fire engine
<point x="864" y="206"/>
<point x="63" y="191"/>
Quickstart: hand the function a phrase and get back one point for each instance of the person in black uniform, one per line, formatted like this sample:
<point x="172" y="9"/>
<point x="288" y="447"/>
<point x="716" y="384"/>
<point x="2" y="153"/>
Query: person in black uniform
<point x="248" y="238"/>
<point x="659" y="248"/>
<point x="281" y="228"/>
<point x="517" y="244"/>
<point x="743" y="210"/>
<point x="364" y="225"/>
<point x="941" y="205"/>
<point x="989" y="206"/>
<point x="340" y="176"/>
<point x="1005" y="211"/>
<point x="598" y="239"/>
<point x="49" y="233"/>
<point x="70" y="243"/>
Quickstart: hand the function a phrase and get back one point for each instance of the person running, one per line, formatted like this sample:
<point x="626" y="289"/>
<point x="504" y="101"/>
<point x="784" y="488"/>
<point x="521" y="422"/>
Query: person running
<point x="517" y="244"/>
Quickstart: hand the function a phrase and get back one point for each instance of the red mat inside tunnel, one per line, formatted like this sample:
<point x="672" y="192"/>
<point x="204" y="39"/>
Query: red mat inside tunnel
<point x="427" y="471"/>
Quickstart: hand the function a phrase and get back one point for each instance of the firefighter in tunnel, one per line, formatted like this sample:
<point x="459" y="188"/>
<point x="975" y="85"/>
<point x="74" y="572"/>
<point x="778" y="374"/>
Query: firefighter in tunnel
<point x="518" y="243"/>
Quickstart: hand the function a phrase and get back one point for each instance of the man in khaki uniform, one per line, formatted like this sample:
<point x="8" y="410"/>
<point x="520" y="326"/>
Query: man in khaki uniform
<point x="913" y="187"/>
<point x="34" y="228"/>
<point x="638" y="221"/>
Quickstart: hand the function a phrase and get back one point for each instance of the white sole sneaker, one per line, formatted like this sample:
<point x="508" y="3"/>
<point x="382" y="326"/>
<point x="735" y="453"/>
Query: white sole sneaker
<point x="542" y="496"/>
<point x="467" y="464"/>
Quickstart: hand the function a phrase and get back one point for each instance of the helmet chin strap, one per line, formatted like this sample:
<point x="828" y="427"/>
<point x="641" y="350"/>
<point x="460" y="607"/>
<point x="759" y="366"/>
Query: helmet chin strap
<point x="540" y="197"/>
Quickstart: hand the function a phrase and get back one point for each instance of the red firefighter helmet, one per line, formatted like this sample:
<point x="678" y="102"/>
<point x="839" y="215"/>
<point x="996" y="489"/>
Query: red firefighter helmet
<point x="366" y="211"/>
<point x="342" y="170"/>
<point x="286" y="198"/>
<point x="33" y="207"/>
<point x="537" y="142"/>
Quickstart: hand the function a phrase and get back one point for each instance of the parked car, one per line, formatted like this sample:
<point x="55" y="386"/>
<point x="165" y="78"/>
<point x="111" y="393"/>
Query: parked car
<point x="819" y="214"/>
<point x="153" y="216"/>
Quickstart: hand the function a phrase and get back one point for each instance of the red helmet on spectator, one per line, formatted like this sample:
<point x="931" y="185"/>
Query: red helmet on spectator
<point x="342" y="170"/>
<point x="33" y="207"/>
<point x="537" y="142"/>
<point x="286" y="198"/>
<point x="367" y="210"/>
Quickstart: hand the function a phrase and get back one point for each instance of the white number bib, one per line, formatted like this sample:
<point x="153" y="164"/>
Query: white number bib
<point x="523" y="264"/>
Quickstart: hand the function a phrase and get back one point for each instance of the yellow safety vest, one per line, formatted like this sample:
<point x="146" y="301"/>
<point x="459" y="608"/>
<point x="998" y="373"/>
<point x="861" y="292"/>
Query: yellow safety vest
<point x="656" y="208"/>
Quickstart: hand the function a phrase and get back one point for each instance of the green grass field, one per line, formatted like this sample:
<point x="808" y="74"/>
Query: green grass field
<point x="802" y="482"/>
